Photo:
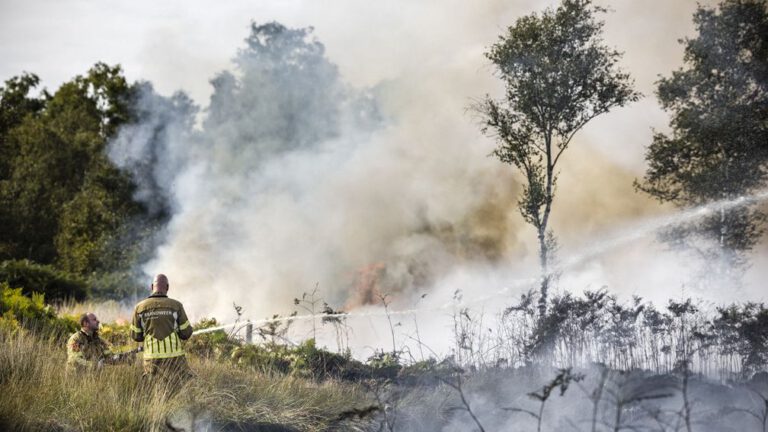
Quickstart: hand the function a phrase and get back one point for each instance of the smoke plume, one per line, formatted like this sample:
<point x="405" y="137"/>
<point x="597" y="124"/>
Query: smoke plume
<point x="346" y="159"/>
<point x="297" y="179"/>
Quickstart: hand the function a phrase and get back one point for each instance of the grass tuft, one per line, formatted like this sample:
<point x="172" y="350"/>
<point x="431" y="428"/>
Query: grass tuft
<point x="37" y="395"/>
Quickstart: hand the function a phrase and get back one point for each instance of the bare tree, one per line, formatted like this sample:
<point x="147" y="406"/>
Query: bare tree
<point x="628" y="390"/>
<point x="308" y="302"/>
<point x="760" y="414"/>
<point x="563" y="379"/>
<point x="457" y="386"/>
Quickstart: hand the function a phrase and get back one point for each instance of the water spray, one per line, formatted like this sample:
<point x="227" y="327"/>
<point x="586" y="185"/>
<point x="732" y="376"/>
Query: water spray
<point x="503" y="292"/>
<point x="627" y="236"/>
<point x="656" y="224"/>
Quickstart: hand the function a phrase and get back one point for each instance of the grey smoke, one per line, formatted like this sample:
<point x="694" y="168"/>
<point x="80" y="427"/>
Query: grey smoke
<point x="294" y="178"/>
<point x="645" y="401"/>
<point x="290" y="178"/>
<point x="157" y="146"/>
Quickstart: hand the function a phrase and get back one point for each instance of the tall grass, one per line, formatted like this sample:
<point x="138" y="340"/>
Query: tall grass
<point x="37" y="395"/>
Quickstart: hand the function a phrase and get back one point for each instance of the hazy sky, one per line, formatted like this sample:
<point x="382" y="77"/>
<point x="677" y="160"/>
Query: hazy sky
<point x="182" y="44"/>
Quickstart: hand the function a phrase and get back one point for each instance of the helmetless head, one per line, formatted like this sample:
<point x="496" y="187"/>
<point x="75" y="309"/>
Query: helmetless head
<point x="160" y="284"/>
<point x="89" y="323"/>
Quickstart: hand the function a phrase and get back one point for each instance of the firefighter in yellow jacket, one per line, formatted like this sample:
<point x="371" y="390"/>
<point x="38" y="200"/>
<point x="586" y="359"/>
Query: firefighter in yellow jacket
<point x="86" y="351"/>
<point x="161" y="323"/>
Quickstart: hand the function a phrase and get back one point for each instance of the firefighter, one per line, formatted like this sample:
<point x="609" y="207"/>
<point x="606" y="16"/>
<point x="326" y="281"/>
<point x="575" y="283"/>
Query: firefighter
<point x="85" y="349"/>
<point x="161" y="323"/>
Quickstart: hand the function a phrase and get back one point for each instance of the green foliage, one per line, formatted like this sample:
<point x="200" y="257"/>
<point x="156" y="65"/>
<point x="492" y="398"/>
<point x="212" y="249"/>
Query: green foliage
<point x="44" y="279"/>
<point x="320" y="363"/>
<point x="304" y="360"/>
<point x="15" y="105"/>
<point x="58" y="162"/>
<point x="717" y="150"/>
<point x="215" y="345"/>
<point x="19" y="311"/>
<point x="558" y="76"/>
<point x="117" y="335"/>
<point x="117" y="284"/>
<point x="62" y="200"/>
<point x="90" y="222"/>
<point x="385" y="363"/>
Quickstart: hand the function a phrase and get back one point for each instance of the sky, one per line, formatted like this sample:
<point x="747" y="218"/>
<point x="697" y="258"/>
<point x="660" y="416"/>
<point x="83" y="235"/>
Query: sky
<point x="181" y="45"/>
<point x="425" y="59"/>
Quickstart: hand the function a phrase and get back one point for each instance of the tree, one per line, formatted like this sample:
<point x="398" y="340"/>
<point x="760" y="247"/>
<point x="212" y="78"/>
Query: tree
<point x="558" y="75"/>
<point x="286" y="95"/>
<point x="54" y="155"/>
<point x="16" y="104"/>
<point x="718" y="146"/>
<point x="152" y="144"/>
<point x="63" y="202"/>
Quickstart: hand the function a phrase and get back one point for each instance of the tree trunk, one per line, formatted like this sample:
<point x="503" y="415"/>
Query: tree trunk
<point x="544" y="251"/>
<point x="544" y="264"/>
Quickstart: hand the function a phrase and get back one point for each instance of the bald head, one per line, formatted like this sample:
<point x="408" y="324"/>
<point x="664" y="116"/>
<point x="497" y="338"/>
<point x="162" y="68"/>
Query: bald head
<point x="89" y="323"/>
<point x="160" y="284"/>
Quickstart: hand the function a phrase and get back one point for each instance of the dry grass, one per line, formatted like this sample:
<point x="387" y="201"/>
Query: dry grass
<point x="107" y="311"/>
<point x="36" y="394"/>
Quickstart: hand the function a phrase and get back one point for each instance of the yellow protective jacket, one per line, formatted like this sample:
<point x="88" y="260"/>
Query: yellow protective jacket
<point x="84" y="351"/>
<point x="161" y="323"/>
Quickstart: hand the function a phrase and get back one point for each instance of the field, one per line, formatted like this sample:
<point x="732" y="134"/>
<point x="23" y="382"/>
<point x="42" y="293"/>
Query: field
<point x="609" y="367"/>
<point x="433" y="216"/>
<point x="38" y="396"/>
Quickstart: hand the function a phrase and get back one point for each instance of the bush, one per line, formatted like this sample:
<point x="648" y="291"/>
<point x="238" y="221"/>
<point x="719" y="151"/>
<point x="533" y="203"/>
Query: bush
<point x="215" y="345"/>
<point x="43" y="279"/>
<point x="744" y="330"/>
<point x="304" y="360"/>
<point x="20" y="311"/>
<point x="117" y="335"/>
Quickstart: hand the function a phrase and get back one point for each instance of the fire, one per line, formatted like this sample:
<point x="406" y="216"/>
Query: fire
<point x="367" y="286"/>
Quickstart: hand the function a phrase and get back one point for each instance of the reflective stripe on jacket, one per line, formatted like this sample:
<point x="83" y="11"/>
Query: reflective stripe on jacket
<point x="161" y="323"/>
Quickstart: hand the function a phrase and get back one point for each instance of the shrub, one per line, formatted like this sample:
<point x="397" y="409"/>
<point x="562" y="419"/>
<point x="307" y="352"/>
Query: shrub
<point x="304" y="360"/>
<point x="43" y="279"/>
<point x="117" y="335"/>
<point x="20" y="311"/>
<point x="215" y="345"/>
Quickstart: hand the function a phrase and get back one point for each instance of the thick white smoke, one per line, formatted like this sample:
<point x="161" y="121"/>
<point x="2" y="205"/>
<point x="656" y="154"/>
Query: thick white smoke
<point x="359" y="168"/>
<point x="296" y="179"/>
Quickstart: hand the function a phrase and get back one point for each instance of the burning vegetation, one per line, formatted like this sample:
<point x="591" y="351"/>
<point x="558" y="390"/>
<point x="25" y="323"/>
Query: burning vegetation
<point x="103" y="176"/>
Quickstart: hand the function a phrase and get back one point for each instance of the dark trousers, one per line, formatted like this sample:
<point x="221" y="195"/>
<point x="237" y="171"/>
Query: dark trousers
<point x="172" y="372"/>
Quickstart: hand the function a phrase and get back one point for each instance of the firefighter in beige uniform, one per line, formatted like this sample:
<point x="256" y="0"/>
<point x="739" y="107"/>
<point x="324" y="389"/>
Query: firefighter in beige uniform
<point x="85" y="349"/>
<point x="161" y="323"/>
